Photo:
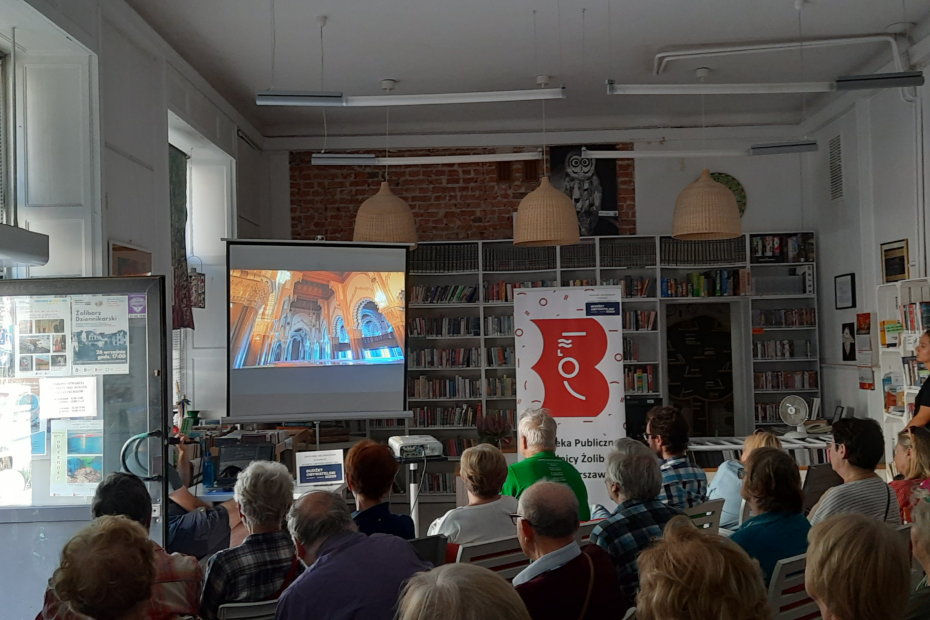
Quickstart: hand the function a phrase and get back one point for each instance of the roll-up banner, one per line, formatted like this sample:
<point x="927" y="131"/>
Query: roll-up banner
<point x="570" y="361"/>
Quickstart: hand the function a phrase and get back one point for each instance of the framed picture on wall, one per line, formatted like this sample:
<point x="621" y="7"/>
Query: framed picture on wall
<point x="129" y="260"/>
<point x="844" y="289"/>
<point x="895" y="261"/>
<point x="591" y="184"/>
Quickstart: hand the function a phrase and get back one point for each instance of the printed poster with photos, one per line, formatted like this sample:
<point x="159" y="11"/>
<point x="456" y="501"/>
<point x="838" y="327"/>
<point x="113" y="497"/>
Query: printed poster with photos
<point x="100" y="335"/>
<point x="41" y="337"/>
<point x="77" y="457"/>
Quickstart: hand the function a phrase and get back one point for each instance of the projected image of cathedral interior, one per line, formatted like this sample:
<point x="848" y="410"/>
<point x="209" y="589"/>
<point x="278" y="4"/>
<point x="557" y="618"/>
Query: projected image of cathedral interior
<point x="315" y="318"/>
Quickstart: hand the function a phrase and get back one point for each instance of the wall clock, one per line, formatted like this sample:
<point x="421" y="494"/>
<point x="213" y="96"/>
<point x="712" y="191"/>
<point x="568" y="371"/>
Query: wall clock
<point x="734" y="186"/>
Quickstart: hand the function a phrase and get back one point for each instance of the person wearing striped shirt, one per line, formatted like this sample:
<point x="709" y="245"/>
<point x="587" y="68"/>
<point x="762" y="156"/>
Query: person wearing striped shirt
<point x="855" y="452"/>
<point x="684" y="485"/>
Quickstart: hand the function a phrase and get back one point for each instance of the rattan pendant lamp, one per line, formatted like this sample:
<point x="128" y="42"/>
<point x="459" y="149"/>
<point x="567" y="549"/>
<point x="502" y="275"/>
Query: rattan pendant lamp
<point x="385" y="217"/>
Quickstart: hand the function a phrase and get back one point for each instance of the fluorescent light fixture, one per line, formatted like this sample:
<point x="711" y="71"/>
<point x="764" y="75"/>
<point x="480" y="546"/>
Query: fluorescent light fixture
<point x="901" y="79"/>
<point x="661" y="154"/>
<point x="300" y="99"/>
<point x="340" y="159"/>
<point x="773" y="88"/>
<point x="313" y="99"/>
<point x="781" y="148"/>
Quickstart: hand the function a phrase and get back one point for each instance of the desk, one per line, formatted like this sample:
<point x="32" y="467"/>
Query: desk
<point x="222" y="496"/>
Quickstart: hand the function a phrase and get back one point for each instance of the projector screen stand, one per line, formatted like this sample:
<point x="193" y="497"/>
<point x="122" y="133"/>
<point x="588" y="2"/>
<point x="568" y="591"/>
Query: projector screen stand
<point x="414" y="497"/>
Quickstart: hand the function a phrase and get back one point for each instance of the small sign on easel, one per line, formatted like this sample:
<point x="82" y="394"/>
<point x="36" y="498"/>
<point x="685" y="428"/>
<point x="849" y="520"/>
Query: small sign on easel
<point x="320" y="467"/>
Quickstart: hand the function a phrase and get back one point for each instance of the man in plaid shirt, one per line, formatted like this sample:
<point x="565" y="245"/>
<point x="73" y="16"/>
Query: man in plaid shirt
<point x="684" y="485"/>
<point x="177" y="577"/>
<point x="633" y="482"/>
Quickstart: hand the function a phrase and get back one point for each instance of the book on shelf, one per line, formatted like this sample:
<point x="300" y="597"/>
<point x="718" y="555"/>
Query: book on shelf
<point x="767" y="412"/>
<point x="578" y="256"/>
<point x="455" y="294"/>
<point x="389" y="423"/>
<point x="431" y="327"/>
<point x="500" y="387"/>
<point x="623" y="253"/>
<point x="785" y="317"/>
<point x="498" y="326"/>
<point x="456" y="416"/>
<point x="781" y="349"/>
<point x="793" y="248"/>
<point x="500" y="257"/>
<point x="915" y="373"/>
<point x="639" y="320"/>
<point x="444" y="258"/>
<point x="441" y="483"/>
<point x="915" y="316"/>
<point x="677" y="252"/>
<point x="591" y="282"/>
<point x="457" y="387"/>
<point x="715" y="283"/>
<point x="419" y="359"/>
<point x="507" y="414"/>
<point x="785" y="380"/>
<point x="500" y="356"/>
<point x="632" y="287"/>
<point x="640" y="379"/>
<point x="890" y="333"/>
<point x="455" y="447"/>
<point x="503" y="291"/>
<point x="630" y="350"/>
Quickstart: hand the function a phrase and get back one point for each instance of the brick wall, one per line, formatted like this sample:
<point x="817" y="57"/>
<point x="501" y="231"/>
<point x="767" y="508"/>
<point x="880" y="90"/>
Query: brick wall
<point x="452" y="201"/>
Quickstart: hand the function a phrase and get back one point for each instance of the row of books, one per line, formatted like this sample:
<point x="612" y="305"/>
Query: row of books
<point x="640" y="380"/>
<point x="498" y="326"/>
<point x="438" y="483"/>
<point x="456" y="387"/>
<point x="628" y="254"/>
<point x="766" y="412"/>
<point x="630" y="350"/>
<point x="444" y="358"/>
<point x="718" y="252"/>
<point x="781" y="349"/>
<point x="459" y="415"/>
<point x="639" y="321"/>
<point x="635" y="286"/>
<point x="578" y="256"/>
<point x="915" y="316"/>
<point x="425" y="327"/>
<point x="507" y="414"/>
<point x="591" y="282"/>
<point x="785" y="380"/>
<point x="500" y="387"/>
<point x="455" y="447"/>
<point x="454" y="294"/>
<point x="444" y="258"/>
<point x="503" y="291"/>
<point x="498" y="357"/>
<point x="509" y="258"/>
<point x="716" y="283"/>
<point x="785" y="317"/>
<point x="915" y="373"/>
<point x="397" y="423"/>
<point x="797" y="248"/>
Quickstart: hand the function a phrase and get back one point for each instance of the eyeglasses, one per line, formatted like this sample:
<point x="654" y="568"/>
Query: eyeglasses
<point x="515" y="517"/>
<point x="648" y="436"/>
<point x="741" y="473"/>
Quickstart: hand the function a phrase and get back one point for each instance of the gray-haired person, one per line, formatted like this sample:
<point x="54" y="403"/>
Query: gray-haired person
<point x="624" y="446"/>
<point x="349" y="574"/>
<point x="634" y="481"/>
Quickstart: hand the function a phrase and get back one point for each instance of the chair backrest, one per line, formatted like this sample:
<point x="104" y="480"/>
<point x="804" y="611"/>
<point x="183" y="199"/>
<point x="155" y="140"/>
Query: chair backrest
<point x="264" y="610"/>
<point x="502" y="556"/>
<point x="819" y="479"/>
<point x="707" y="515"/>
<point x="744" y="511"/>
<point x="431" y="549"/>
<point x="787" y="596"/>
<point x="583" y="535"/>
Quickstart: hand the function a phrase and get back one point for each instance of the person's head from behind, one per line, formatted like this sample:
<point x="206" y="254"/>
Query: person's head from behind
<point x="628" y="445"/>
<point x="107" y="569"/>
<point x="316" y="517"/>
<point x="912" y="453"/>
<point x="538" y="431"/>
<point x="370" y="470"/>
<point x="858" y="444"/>
<point x="666" y="431"/>
<point x="920" y="531"/>
<point x="634" y="476"/>
<point x="264" y="491"/>
<point x="125" y="495"/>
<point x="692" y="574"/>
<point x="548" y="518"/>
<point x="759" y="439"/>
<point x="483" y="469"/>
<point x="772" y="482"/>
<point x="460" y="592"/>
<point x="857" y="569"/>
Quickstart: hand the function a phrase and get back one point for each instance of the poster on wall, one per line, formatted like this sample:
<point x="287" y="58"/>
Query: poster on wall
<point x="570" y="361"/>
<point x="896" y="262"/>
<point x="41" y="334"/>
<point x="100" y="334"/>
<point x="592" y="186"/>
<point x="77" y="457"/>
<point x="69" y="397"/>
<point x="848" y="333"/>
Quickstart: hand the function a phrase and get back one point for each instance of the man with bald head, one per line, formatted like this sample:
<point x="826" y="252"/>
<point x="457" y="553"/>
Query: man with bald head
<point x="564" y="580"/>
<point x="349" y="574"/>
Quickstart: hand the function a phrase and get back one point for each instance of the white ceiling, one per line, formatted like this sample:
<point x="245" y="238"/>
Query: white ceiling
<point x="472" y="45"/>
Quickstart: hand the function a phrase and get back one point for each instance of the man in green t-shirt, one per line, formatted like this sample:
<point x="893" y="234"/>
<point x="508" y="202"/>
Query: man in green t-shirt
<point x="537" y="446"/>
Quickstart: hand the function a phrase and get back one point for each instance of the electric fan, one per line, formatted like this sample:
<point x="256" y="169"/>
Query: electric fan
<point x="793" y="411"/>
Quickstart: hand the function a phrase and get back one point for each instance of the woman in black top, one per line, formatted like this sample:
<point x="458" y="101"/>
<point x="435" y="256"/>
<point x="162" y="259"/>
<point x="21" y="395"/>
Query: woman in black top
<point x="922" y="403"/>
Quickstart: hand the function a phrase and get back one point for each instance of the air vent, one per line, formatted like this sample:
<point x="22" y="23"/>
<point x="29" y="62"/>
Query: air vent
<point x="504" y="171"/>
<point x="836" y="168"/>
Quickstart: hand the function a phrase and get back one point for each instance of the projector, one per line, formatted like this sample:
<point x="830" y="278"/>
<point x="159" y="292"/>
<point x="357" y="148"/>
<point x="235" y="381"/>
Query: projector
<point x="415" y="446"/>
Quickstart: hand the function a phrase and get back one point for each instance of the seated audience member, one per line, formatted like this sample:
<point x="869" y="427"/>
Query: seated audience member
<point x="857" y="568"/>
<point x="918" y="605"/>
<point x="729" y="478"/>
<point x="264" y="564"/>
<point x="624" y="446"/>
<point x="460" y="592"/>
<point x="370" y="471"/>
<point x="107" y="570"/>
<point x="195" y="527"/>
<point x="856" y="449"/>
<point x="693" y="574"/>
<point x="772" y="488"/>
<point x="487" y="516"/>
<point x="349" y="575"/>
<point x="633" y="482"/>
<point x="537" y="447"/>
<point x="912" y="460"/>
<point x="177" y="577"/>
<point x="564" y="580"/>
<point x="684" y="485"/>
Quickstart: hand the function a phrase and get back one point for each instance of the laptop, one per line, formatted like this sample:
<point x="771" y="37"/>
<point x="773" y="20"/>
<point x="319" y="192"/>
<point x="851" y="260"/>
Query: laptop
<point x="820" y="478"/>
<point x="233" y="459"/>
